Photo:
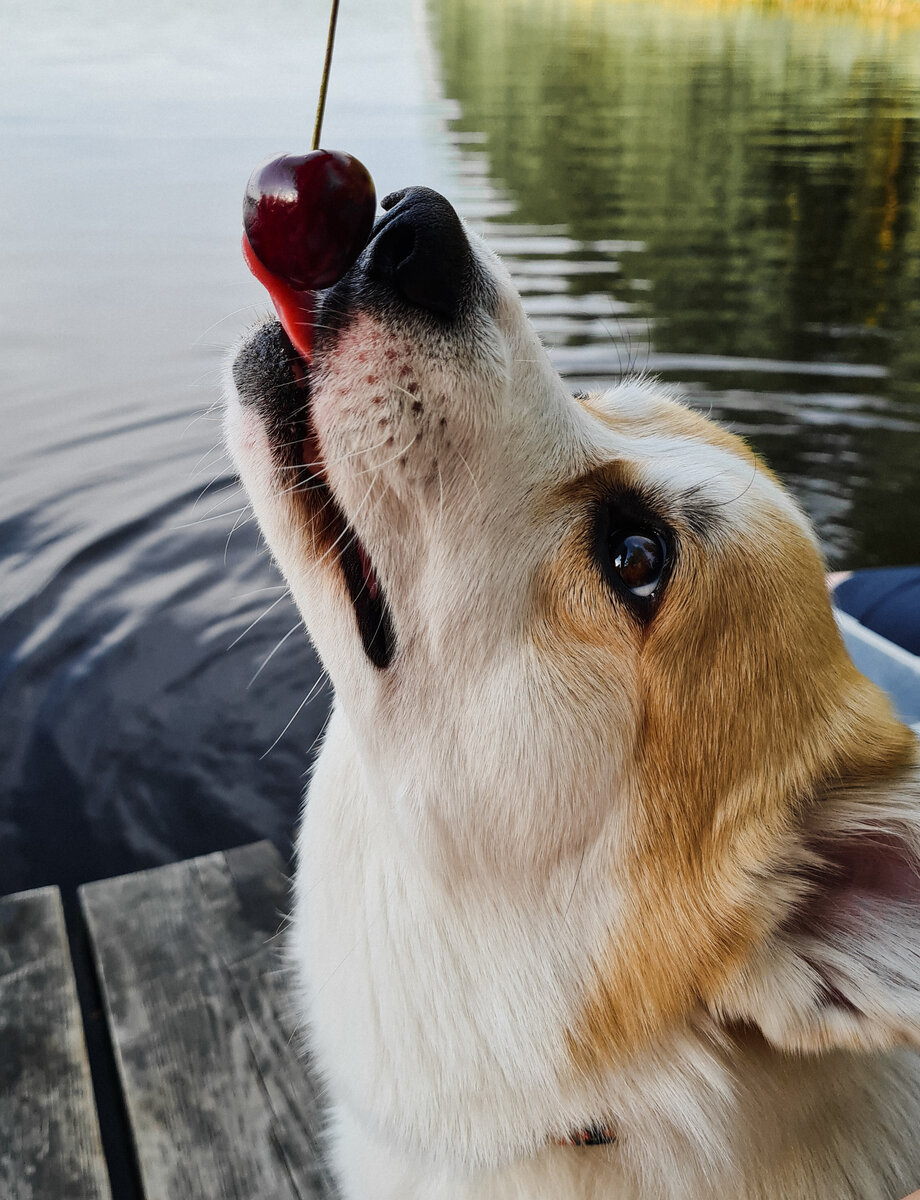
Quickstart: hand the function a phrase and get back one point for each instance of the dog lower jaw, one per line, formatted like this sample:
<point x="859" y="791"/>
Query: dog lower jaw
<point x="273" y="382"/>
<point x="366" y="594"/>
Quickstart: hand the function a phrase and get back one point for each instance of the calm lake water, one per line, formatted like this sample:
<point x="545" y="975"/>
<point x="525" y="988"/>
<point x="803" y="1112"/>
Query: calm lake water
<point x="726" y="198"/>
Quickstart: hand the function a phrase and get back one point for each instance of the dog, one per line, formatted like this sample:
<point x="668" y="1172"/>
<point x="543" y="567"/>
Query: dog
<point x="607" y="880"/>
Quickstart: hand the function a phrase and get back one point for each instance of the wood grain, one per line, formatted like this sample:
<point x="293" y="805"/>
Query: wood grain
<point x="219" y="1097"/>
<point x="49" y="1134"/>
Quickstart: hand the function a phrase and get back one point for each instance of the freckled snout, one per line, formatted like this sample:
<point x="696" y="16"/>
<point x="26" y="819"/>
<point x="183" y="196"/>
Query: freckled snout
<point x="420" y="251"/>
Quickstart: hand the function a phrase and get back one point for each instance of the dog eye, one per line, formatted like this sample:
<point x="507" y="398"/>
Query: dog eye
<point x="639" y="559"/>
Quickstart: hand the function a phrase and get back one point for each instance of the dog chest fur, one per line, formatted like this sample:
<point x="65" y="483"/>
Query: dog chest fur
<point x="436" y="1003"/>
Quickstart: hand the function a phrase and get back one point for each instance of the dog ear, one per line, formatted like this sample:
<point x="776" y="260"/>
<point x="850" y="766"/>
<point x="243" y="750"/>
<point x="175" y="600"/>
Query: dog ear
<point x="843" y="967"/>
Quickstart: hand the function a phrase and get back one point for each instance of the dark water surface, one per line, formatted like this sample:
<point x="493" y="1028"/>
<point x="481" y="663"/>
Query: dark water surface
<point x="725" y="198"/>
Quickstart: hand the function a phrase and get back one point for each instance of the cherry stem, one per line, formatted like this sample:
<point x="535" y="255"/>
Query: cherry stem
<point x="324" y="82"/>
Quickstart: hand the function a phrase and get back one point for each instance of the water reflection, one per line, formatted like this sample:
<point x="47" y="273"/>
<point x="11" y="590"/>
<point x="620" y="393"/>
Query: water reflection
<point x="728" y="198"/>
<point x="136" y="602"/>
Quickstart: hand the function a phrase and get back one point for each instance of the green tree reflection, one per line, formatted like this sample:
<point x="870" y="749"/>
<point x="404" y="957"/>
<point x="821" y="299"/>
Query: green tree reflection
<point x="768" y="168"/>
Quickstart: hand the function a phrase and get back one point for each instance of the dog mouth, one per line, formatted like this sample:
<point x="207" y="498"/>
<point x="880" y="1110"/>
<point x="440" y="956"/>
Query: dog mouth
<point x="272" y="379"/>
<point x="417" y="276"/>
<point x="372" y="612"/>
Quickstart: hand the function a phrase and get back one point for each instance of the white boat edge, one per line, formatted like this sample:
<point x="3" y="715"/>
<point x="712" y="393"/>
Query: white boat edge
<point x="893" y="668"/>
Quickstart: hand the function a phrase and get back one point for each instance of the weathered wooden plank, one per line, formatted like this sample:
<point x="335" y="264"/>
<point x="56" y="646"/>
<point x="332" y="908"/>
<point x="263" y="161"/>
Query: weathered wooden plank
<point x="49" y="1134"/>
<point x="220" y="1101"/>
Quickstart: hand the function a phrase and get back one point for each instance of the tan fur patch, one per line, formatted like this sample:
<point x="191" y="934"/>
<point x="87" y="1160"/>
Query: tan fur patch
<point x="746" y="707"/>
<point x="665" y="416"/>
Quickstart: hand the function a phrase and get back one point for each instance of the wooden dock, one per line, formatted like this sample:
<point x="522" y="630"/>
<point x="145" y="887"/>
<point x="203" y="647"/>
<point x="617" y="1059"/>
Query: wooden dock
<point x="219" y="1099"/>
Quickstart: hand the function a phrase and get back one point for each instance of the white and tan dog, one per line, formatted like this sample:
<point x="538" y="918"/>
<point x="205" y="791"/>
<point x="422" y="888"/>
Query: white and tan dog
<point x="608" y="841"/>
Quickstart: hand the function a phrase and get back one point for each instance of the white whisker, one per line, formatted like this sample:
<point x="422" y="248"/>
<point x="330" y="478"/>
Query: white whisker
<point x="240" y="636"/>
<point x="271" y="654"/>
<point x="237" y="524"/>
<point x="469" y="471"/>
<point x="309" y="696"/>
<point x="217" y="517"/>
<point x="220" y="321"/>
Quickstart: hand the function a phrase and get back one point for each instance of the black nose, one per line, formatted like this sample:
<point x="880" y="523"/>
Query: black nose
<point x="420" y="250"/>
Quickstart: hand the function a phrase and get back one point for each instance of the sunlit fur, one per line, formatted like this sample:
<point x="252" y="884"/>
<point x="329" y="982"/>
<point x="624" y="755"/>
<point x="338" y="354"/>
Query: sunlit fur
<point x="561" y="866"/>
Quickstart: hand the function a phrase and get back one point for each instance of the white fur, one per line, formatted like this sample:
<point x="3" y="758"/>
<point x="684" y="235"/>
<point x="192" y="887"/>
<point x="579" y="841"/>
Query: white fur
<point x="471" y="813"/>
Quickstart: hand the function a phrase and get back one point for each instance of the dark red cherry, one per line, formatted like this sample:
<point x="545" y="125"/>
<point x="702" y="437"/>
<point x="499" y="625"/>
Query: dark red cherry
<point x="308" y="216"/>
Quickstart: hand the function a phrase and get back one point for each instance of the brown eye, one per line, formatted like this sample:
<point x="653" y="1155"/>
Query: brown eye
<point x="639" y="559"/>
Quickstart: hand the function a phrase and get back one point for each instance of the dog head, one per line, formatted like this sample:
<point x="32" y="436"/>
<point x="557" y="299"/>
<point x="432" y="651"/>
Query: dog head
<point x="586" y="628"/>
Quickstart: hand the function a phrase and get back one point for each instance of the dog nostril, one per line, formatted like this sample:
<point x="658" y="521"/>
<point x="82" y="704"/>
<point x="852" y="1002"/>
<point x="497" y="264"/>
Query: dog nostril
<point x="397" y="244"/>
<point x="421" y="251"/>
<point x="391" y="199"/>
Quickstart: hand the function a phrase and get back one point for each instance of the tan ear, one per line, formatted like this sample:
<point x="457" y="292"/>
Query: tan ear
<point x="843" y="968"/>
